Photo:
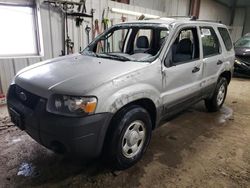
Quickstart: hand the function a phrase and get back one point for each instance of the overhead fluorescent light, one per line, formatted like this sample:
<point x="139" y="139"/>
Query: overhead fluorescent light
<point x="128" y="12"/>
<point x="167" y="19"/>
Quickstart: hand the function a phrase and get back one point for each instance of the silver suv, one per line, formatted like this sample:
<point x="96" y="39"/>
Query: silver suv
<point x="109" y="98"/>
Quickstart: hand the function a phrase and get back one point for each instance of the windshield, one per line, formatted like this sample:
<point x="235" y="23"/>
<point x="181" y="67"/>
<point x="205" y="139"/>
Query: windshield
<point x="134" y="42"/>
<point x="243" y="42"/>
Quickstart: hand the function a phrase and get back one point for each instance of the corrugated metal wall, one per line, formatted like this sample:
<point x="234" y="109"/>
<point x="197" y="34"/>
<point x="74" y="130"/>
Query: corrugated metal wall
<point x="177" y="8"/>
<point x="238" y="23"/>
<point x="247" y="22"/>
<point x="52" y="25"/>
<point x="214" y="11"/>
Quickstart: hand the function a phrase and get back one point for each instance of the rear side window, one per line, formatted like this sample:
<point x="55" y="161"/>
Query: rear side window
<point x="226" y="38"/>
<point x="210" y="42"/>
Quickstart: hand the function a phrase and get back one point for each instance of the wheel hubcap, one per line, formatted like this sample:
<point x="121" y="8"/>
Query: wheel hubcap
<point x="133" y="139"/>
<point x="221" y="95"/>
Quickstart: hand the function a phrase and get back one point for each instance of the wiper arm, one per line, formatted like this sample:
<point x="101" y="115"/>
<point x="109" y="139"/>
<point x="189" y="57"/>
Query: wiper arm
<point x="120" y="57"/>
<point x="106" y="55"/>
<point x="113" y="56"/>
<point x="87" y="52"/>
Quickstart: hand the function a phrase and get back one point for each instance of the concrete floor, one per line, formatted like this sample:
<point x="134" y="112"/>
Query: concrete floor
<point x="196" y="149"/>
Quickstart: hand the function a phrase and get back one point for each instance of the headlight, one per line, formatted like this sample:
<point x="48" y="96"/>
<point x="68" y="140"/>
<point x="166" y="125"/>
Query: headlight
<point x="72" y="105"/>
<point x="237" y="62"/>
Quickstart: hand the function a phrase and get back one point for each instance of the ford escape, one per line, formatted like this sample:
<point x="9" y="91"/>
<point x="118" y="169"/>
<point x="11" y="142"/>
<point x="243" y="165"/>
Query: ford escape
<point x="109" y="98"/>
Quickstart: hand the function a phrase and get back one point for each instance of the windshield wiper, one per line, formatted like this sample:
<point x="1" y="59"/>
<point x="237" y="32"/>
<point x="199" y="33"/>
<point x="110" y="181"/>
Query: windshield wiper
<point x="113" y="56"/>
<point x="90" y="53"/>
<point x="106" y="55"/>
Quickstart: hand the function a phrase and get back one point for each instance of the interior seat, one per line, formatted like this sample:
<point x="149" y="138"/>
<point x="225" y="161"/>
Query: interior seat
<point x="183" y="51"/>
<point x="142" y="44"/>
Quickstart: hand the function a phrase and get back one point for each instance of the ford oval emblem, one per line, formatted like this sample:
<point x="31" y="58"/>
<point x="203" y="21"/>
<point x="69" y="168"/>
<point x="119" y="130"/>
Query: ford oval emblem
<point x="22" y="96"/>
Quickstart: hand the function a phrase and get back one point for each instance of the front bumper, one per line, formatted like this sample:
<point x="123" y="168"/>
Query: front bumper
<point x="241" y="67"/>
<point x="82" y="136"/>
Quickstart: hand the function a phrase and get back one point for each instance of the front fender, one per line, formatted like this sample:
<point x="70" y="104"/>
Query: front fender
<point x="129" y="94"/>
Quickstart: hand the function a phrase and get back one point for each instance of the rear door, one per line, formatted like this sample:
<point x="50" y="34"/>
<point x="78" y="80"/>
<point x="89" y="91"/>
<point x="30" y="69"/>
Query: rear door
<point x="212" y="58"/>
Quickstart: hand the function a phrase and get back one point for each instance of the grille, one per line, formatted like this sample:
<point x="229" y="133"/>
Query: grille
<point x="244" y="58"/>
<point x="30" y="100"/>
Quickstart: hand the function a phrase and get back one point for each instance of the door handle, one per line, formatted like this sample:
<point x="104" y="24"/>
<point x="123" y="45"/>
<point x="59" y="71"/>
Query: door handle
<point x="196" y="69"/>
<point x="219" y="62"/>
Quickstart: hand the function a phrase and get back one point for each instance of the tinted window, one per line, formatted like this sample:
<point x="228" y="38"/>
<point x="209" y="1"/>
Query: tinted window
<point x="226" y="38"/>
<point x="244" y="42"/>
<point x="210" y="42"/>
<point x="186" y="46"/>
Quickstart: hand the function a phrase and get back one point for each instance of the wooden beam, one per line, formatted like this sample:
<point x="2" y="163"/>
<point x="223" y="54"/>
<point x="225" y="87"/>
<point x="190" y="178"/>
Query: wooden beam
<point x="195" y="8"/>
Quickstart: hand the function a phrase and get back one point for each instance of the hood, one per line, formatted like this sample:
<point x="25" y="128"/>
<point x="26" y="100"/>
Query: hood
<point x="72" y="75"/>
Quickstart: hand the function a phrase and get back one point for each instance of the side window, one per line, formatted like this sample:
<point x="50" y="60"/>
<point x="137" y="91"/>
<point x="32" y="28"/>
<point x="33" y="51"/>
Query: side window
<point x="185" y="48"/>
<point x="163" y="36"/>
<point x="164" y="33"/>
<point x="226" y="38"/>
<point x="210" y="42"/>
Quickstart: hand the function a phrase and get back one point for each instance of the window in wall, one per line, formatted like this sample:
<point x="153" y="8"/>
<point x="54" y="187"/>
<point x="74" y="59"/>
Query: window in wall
<point x="122" y="1"/>
<point x="20" y="31"/>
<point x="210" y="42"/>
<point x="226" y="38"/>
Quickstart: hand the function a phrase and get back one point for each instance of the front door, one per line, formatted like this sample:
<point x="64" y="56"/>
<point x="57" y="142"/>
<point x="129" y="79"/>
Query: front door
<point x="182" y="72"/>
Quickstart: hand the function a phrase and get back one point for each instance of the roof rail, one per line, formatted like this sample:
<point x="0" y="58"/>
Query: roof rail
<point x="178" y="16"/>
<point x="216" y="21"/>
<point x="188" y="17"/>
<point x="194" y="18"/>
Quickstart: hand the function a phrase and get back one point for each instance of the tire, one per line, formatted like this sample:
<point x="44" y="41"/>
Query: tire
<point x="130" y="127"/>
<point x="214" y="103"/>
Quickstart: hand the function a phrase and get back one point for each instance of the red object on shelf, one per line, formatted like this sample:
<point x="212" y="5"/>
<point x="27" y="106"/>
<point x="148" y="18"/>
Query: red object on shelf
<point x="2" y="99"/>
<point x="2" y="95"/>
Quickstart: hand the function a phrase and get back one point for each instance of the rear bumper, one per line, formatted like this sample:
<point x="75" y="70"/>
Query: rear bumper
<point x="82" y="136"/>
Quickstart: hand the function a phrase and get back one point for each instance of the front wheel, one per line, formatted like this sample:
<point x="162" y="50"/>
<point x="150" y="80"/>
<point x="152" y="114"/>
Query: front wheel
<point x="130" y="136"/>
<point x="214" y="103"/>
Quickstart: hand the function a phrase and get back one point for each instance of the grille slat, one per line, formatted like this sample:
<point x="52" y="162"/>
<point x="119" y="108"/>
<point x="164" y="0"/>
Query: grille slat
<point x="31" y="100"/>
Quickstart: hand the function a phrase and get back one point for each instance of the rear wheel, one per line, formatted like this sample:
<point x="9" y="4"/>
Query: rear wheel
<point x="214" y="103"/>
<point x="130" y="136"/>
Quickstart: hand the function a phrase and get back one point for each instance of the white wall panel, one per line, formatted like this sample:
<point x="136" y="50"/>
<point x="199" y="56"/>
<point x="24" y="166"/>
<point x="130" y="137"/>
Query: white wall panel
<point x="155" y="4"/>
<point x="19" y="64"/>
<point x="177" y="7"/>
<point x="238" y="23"/>
<point x="47" y="38"/>
<point x="247" y="22"/>
<point x="211" y="10"/>
<point x="7" y="73"/>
